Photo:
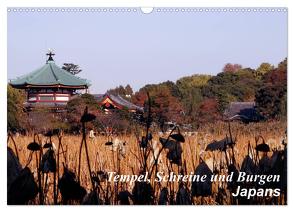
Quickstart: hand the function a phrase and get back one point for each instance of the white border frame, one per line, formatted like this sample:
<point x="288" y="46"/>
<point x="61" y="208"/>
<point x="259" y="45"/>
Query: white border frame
<point x="137" y="3"/>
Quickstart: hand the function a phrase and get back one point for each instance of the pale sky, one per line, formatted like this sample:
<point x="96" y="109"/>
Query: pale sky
<point x="120" y="48"/>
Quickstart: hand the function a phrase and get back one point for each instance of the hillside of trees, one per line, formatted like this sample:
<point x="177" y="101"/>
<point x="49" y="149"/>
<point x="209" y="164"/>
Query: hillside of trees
<point x="193" y="100"/>
<point x="202" y="98"/>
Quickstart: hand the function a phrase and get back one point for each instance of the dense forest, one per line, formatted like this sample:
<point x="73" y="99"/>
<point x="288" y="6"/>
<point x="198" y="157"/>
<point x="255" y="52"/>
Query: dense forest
<point x="193" y="100"/>
<point x="203" y="98"/>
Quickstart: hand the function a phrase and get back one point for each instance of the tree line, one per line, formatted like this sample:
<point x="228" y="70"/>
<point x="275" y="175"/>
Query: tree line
<point x="203" y="98"/>
<point x="192" y="100"/>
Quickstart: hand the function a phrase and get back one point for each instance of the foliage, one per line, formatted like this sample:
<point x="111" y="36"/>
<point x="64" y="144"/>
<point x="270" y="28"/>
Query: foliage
<point x="196" y="95"/>
<point x="231" y="86"/>
<point x="283" y="64"/>
<point x="271" y="98"/>
<point x="116" y="122"/>
<point x="71" y="68"/>
<point x="140" y="98"/>
<point x="42" y="119"/>
<point x="125" y="92"/>
<point x="232" y="68"/>
<point x="208" y="111"/>
<point x="197" y="80"/>
<point x="75" y="108"/>
<point x="191" y="97"/>
<point x="271" y="101"/>
<point x="263" y="69"/>
<point x="190" y="100"/>
<point x="16" y="118"/>
<point x="166" y="107"/>
<point x="165" y="102"/>
<point x="170" y="86"/>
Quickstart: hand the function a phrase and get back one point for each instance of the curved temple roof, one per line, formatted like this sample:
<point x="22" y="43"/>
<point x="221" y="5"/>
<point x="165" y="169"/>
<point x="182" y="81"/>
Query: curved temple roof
<point x="242" y="110"/>
<point x="118" y="100"/>
<point x="50" y="75"/>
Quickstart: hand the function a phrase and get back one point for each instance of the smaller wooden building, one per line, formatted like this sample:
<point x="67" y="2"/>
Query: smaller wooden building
<point x="243" y="111"/>
<point x="111" y="102"/>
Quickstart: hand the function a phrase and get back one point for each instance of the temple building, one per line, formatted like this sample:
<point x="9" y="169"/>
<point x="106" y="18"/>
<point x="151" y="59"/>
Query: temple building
<point x="111" y="102"/>
<point x="50" y="85"/>
<point x="242" y="111"/>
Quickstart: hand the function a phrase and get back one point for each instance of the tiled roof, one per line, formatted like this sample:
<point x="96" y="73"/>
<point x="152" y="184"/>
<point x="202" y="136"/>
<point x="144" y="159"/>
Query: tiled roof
<point x="245" y="110"/>
<point x="118" y="100"/>
<point x="50" y="74"/>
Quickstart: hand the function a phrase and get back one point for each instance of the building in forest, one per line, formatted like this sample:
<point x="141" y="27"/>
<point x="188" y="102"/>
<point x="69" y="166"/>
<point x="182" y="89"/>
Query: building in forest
<point x="50" y="86"/>
<point x="243" y="111"/>
<point x="111" y="102"/>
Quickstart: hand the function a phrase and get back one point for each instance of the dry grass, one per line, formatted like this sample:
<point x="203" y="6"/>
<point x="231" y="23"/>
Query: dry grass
<point x="102" y="158"/>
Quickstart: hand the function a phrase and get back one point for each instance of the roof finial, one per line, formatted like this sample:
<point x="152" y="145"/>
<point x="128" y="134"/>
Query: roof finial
<point x="50" y="54"/>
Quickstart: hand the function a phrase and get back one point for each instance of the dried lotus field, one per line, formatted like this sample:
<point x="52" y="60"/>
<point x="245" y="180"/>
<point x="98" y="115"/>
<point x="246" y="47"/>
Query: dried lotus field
<point x="66" y="183"/>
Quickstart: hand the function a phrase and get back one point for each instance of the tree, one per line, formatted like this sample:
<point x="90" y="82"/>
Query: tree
<point x="190" y="92"/>
<point x="125" y="92"/>
<point x="283" y="64"/>
<point x="172" y="87"/>
<point x="16" y="117"/>
<point x="271" y="101"/>
<point x="271" y="98"/>
<point x="208" y="111"/>
<point x="155" y="88"/>
<point x="166" y="107"/>
<point x="140" y="98"/>
<point x="263" y="69"/>
<point x="118" y="121"/>
<point x="277" y="76"/>
<point x="129" y="90"/>
<point x="165" y="101"/>
<point x="232" y="67"/>
<point x="231" y="86"/>
<point x="71" y="68"/>
<point x="196" y="80"/>
<point x="75" y="109"/>
<point x="42" y="119"/>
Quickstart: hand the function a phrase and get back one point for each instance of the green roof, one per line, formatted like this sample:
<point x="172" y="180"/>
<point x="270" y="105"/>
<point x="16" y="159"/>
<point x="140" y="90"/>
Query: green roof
<point x="50" y="74"/>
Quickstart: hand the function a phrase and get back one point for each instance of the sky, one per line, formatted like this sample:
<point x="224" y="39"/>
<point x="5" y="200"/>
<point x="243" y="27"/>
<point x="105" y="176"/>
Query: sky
<point x="120" y="48"/>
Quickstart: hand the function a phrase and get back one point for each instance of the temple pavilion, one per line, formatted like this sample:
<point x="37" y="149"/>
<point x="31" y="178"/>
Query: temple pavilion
<point x="110" y="102"/>
<point x="50" y="85"/>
